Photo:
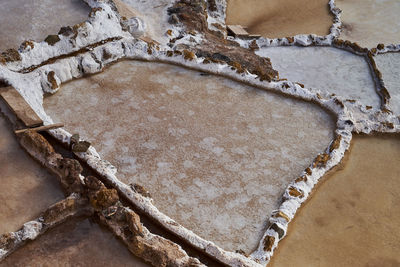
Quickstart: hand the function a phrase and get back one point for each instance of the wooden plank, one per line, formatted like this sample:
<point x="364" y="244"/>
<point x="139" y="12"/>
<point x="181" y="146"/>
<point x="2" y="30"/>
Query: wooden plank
<point x="20" y="108"/>
<point x="41" y="128"/>
<point x="237" y="30"/>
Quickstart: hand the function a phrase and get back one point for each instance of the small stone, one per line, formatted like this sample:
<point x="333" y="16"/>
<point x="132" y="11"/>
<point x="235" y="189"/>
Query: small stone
<point x="134" y="223"/>
<point x="66" y="31"/>
<point x="52" y="39"/>
<point x="82" y="146"/>
<point x="269" y="242"/>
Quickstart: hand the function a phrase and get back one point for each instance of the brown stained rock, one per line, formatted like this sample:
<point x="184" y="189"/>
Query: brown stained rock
<point x="290" y="40"/>
<point x="237" y="66"/>
<point x="308" y="171"/>
<point x="36" y="145"/>
<point x="281" y="214"/>
<point x="69" y="171"/>
<point x="339" y="103"/>
<point x="52" y="39"/>
<point x="380" y="46"/>
<point x="368" y="107"/>
<point x="66" y="31"/>
<point x="10" y="55"/>
<point x="254" y="46"/>
<point x="193" y="14"/>
<point x="385" y="94"/>
<point x="269" y="242"/>
<point x="81" y="146"/>
<point x="388" y="125"/>
<point x="212" y="6"/>
<point x="188" y="55"/>
<point x="27" y="45"/>
<point x="52" y="80"/>
<point x="373" y="50"/>
<point x="103" y="198"/>
<point x="7" y="241"/>
<point x="301" y="179"/>
<point x="170" y="53"/>
<point x="62" y="210"/>
<point x="135" y="226"/>
<point x="141" y="190"/>
<point x="336" y="143"/>
<point x="279" y="230"/>
<point x="295" y="192"/>
<point x="94" y="11"/>
<point x="169" y="32"/>
<point x="321" y="160"/>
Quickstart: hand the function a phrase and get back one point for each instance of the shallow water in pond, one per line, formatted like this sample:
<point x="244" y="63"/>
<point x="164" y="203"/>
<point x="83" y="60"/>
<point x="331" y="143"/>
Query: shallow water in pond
<point x="353" y="217"/>
<point x="280" y="18"/>
<point x="216" y="155"/>
<point x="22" y="20"/>
<point x="27" y="189"/>
<point x="328" y="69"/>
<point x="74" y="243"/>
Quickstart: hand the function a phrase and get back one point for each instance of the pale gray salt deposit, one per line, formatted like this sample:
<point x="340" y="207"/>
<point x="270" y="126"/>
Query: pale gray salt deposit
<point x="22" y="20"/>
<point x="389" y="65"/>
<point x="215" y="155"/>
<point x="330" y="70"/>
<point x="155" y="15"/>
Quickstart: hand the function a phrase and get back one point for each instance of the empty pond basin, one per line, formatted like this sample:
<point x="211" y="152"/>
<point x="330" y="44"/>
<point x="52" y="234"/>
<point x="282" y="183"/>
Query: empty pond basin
<point x="389" y="65"/>
<point x="215" y="155"/>
<point x="22" y="20"/>
<point x="328" y="69"/>
<point x="370" y="22"/>
<point x="27" y="189"/>
<point x="353" y="217"/>
<point x="74" y="243"/>
<point x="280" y="18"/>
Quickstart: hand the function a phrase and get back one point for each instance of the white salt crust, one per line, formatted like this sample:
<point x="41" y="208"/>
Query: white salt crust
<point x="351" y="117"/>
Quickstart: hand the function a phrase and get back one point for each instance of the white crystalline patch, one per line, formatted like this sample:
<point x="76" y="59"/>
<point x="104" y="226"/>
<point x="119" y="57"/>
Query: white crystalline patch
<point x="154" y="14"/>
<point x="31" y="230"/>
<point x="330" y="70"/>
<point x="222" y="154"/>
<point x="389" y="66"/>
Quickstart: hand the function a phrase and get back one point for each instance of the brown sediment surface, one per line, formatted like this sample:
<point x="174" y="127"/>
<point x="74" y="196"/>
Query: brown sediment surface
<point x="277" y="18"/>
<point x="21" y="20"/>
<point x="216" y="155"/>
<point x="74" y="243"/>
<point x="26" y="188"/>
<point x="370" y="22"/>
<point x="353" y="217"/>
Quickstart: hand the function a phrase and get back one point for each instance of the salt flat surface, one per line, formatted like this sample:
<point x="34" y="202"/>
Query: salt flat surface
<point x="26" y="188"/>
<point x="328" y="69"/>
<point x="370" y="22"/>
<point x="389" y="66"/>
<point x="215" y="155"/>
<point x="21" y="20"/>
<point x="353" y="216"/>
<point x="74" y="243"/>
<point x="154" y="13"/>
<point x="281" y="18"/>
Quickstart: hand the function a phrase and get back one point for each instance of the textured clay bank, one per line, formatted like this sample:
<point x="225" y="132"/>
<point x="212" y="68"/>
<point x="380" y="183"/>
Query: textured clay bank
<point x="215" y="155"/>
<point x="352" y="219"/>
<point x="277" y="18"/>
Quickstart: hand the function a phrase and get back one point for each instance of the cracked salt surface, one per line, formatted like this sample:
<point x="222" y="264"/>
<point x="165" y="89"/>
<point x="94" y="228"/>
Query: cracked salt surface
<point x="21" y="20"/>
<point x="325" y="68"/>
<point x="74" y="243"/>
<point x="389" y="65"/>
<point x="217" y="155"/>
<point x="370" y="22"/>
<point x="26" y="188"/>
